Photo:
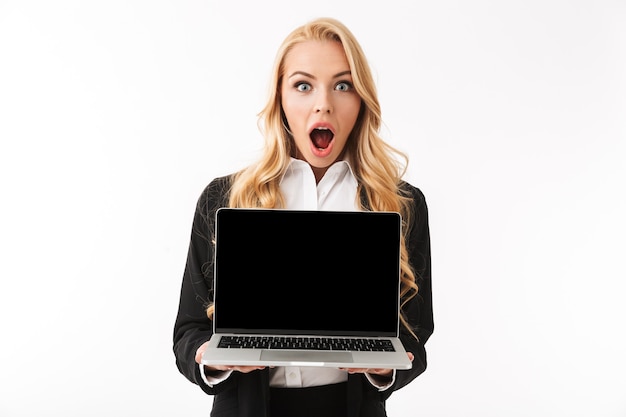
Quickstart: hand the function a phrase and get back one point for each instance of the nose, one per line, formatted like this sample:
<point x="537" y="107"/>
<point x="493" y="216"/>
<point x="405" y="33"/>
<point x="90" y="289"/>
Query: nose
<point x="322" y="109"/>
<point x="323" y="103"/>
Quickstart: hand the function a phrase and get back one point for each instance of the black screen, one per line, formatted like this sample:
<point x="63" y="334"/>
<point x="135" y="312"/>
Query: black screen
<point x="307" y="272"/>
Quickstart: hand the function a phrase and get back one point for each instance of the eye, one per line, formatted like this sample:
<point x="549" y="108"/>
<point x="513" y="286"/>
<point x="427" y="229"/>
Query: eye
<point x="303" y="87"/>
<point x="343" y="86"/>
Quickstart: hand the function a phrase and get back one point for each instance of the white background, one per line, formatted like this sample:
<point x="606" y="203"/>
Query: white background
<point x="114" y="115"/>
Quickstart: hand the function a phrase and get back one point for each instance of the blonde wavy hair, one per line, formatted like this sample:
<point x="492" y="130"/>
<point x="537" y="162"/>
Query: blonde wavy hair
<point x="377" y="166"/>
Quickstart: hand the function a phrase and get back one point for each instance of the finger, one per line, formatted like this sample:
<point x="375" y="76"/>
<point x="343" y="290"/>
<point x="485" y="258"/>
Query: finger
<point x="380" y="371"/>
<point x="200" y="351"/>
<point x="356" y="370"/>
<point x="221" y="368"/>
<point x="248" y="369"/>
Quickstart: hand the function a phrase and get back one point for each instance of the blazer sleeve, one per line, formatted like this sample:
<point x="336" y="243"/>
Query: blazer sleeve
<point x="192" y="326"/>
<point x="418" y="310"/>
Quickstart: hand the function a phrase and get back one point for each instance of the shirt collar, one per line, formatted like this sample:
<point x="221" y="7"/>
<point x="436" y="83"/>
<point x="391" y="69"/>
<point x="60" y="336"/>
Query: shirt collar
<point x="298" y="165"/>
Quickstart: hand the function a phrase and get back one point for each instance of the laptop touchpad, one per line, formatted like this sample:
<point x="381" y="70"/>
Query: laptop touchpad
<point x="309" y="356"/>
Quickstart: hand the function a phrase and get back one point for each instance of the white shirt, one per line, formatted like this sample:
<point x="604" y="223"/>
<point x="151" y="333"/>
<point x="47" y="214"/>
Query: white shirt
<point x="337" y="190"/>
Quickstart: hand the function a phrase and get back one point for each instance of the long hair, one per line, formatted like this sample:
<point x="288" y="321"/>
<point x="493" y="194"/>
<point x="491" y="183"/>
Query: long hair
<point x="377" y="166"/>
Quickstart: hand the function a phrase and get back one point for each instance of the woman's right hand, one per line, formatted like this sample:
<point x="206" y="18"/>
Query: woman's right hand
<point x="224" y="368"/>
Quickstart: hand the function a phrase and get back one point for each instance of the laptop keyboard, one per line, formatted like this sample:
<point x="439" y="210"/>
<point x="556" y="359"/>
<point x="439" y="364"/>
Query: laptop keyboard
<point x="307" y="343"/>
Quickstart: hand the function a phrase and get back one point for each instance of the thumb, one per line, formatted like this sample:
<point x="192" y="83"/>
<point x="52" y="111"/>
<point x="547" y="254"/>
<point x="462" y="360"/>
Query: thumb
<point x="200" y="351"/>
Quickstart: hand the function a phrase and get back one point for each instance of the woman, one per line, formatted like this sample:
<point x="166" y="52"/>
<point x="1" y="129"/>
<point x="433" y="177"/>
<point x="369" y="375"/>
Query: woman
<point x="323" y="152"/>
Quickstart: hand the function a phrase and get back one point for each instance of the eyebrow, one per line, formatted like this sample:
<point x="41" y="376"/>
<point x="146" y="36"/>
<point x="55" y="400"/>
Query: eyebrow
<point x="306" y="74"/>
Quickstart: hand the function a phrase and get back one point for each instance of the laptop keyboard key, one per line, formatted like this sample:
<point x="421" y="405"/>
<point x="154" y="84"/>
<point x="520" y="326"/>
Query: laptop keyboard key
<point x="305" y="343"/>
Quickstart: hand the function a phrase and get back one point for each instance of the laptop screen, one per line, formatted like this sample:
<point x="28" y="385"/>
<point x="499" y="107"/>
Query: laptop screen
<point x="307" y="272"/>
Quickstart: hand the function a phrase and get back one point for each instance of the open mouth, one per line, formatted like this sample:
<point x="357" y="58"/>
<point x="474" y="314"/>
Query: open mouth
<point x="321" y="137"/>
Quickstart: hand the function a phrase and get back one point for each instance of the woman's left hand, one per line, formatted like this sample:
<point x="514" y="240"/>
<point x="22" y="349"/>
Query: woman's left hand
<point x="374" y="371"/>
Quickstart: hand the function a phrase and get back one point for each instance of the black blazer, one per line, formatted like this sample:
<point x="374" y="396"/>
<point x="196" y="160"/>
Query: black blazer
<point x="246" y="395"/>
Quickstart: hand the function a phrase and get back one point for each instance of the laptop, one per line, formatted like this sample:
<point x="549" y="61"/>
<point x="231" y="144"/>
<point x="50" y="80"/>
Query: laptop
<point x="307" y="288"/>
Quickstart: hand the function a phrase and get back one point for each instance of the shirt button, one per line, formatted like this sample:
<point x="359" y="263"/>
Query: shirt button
<point x="292" y="375"/>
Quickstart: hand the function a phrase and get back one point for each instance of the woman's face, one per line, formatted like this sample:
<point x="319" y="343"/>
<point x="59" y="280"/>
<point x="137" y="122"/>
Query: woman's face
<point x="319" y="101"/>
